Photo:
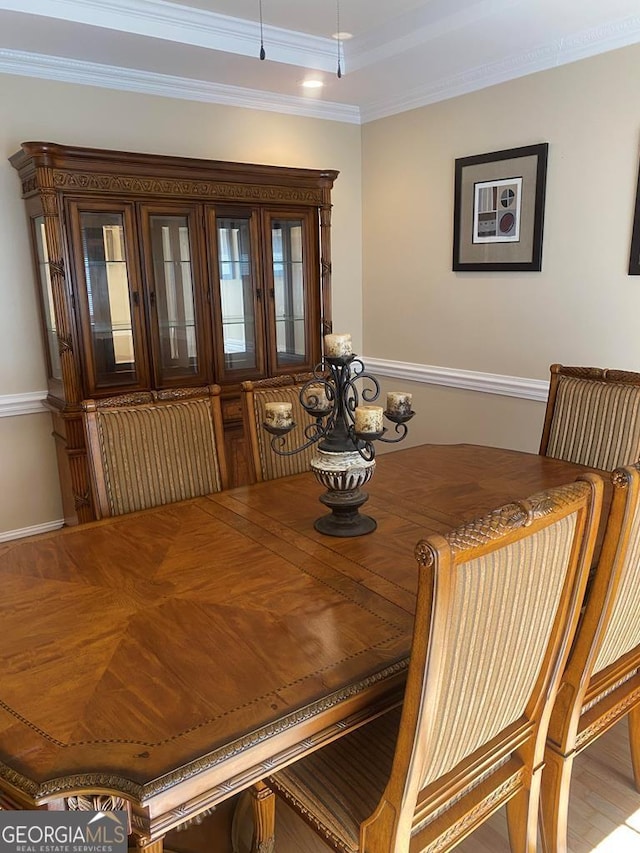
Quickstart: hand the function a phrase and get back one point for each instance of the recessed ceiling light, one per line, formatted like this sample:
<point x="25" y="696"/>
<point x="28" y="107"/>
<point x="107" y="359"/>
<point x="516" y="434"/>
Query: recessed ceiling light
<point x="342" y="36"/>
<point x="313" y="84"/>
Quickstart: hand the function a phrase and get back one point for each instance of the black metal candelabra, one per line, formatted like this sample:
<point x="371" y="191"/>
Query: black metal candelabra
<point x="344" y="432"/>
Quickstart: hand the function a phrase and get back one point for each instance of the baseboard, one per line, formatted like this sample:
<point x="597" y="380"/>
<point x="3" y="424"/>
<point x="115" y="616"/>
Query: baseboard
<point x="21" y="532"/>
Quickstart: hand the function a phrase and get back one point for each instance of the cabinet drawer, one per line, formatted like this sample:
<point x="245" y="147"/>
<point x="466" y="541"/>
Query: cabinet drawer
<point x="232" y="409"/>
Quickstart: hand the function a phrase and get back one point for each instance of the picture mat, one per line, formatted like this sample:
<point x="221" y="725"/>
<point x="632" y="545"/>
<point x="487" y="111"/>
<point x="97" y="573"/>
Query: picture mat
<point x="502" y="252"/>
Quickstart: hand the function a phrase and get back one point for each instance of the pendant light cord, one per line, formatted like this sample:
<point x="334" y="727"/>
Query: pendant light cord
<point x="339" y="35"/>
<point x="262" y="51"/>
<point x="263" y="54"/>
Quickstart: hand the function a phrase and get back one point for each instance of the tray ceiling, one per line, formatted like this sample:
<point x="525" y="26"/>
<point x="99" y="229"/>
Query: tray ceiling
<point x="402" y="54"/>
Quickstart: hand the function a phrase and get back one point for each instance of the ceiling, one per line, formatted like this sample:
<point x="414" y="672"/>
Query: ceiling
<point x="402" y="54"/>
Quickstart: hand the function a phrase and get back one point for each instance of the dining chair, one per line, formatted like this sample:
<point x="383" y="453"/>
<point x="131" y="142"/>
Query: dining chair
<point x="592" y="417"/>
<point x="498" y="600"/>
<point x="266" y="463"/>
<point x="154" y="447"/>
<point x="601" y="682"/>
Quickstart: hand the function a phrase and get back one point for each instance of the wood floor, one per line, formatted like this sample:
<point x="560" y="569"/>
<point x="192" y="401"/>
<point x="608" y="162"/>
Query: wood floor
<point x="604" y="814"/>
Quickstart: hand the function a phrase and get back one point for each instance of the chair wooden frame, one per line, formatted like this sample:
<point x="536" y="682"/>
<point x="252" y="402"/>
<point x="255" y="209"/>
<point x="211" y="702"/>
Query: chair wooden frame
<point x="423" y="812"/>
<point x="103" y="467"/>
<point x="589" y="703"/>
<point x="588" y="374"/>
<point x="259" y="440"/>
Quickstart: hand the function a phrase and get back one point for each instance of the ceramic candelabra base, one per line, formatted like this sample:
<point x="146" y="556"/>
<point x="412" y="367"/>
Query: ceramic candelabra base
<point x="342" y="474"/>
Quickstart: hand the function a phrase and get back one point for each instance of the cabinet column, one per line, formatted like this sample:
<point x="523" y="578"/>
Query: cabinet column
<point x="61" y="306"/>
<point x="325" y="261"/>
<point x="72" y="435"/>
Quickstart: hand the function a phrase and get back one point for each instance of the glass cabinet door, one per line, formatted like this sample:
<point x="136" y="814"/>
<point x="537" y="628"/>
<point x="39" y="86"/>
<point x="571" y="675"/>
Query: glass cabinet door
<point x="178" y="333"/>
<point x="46" y="301"/>
<point x="110" y="298"/>
<point x="239" y="296"/>
<point x="295" y="308"/>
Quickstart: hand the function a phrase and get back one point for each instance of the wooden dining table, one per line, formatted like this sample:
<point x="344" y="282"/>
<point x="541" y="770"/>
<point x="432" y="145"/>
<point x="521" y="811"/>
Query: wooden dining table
<point x="165" y="660"/>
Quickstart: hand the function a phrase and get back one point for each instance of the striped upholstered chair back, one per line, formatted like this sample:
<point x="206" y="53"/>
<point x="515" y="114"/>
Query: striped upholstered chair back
<point x="498" y="601"/>
<point x="156" y="447"/>
<point x="268" y="465"/>
<point x="592" y="417"/>
<point x="601" y="682"/>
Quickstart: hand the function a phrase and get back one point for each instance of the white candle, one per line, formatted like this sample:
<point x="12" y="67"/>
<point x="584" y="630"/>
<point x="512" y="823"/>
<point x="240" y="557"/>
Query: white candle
<point x="337" y="346"/>
<point x="278" y="415"/>
<point x="368" y="419"/>
<point x="316" y="398"/>
<point x="399" y="403"/>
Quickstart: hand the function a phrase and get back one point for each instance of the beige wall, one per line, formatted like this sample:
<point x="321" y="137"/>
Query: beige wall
<point x="78" y="115"/>
<point x="456" y="416"/>
<point x="29" y="493"/>
<point x="582" y="308"/>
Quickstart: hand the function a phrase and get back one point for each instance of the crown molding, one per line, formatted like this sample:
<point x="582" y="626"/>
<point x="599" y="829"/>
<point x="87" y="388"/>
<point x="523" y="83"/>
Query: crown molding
<point x="589" y="42"/>
<point x="187" y="25"/>
<point x="145" y="82"/>
<point x="472" y="80"/>
<point x="581" y="45"/>
<point x="468" y="380"/>
<point x="31" y="403"/>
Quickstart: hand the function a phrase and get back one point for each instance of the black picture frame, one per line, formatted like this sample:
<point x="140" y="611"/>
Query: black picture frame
<point x="634" y="254"/>
<point x="498" y="213"/>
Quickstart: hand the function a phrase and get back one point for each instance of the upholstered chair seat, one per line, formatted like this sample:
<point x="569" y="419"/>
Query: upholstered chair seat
<point x="344" y="782"/>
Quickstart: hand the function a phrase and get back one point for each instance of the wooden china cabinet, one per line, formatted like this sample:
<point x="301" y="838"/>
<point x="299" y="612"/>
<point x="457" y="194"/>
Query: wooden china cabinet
<point x="159" y="272"/>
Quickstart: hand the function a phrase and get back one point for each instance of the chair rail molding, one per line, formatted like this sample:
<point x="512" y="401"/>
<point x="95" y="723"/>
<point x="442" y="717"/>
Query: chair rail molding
<point x="31" y="403"/>
<point x="469" y="380"/>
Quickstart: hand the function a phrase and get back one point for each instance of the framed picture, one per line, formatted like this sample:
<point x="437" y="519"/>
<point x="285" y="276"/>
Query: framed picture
<point x="499" y="210"/>
<point x="634" y="258"/>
